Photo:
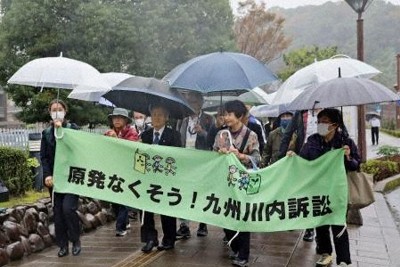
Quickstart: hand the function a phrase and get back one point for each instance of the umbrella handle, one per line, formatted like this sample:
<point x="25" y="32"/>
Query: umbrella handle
<point x="229" y="136"/>
<point x="58" y="136"/>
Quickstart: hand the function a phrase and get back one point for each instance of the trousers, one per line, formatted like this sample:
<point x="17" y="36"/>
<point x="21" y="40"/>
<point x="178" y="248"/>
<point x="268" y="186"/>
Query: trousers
<point x="66" y="220"/>
<point x="342" y="246"/>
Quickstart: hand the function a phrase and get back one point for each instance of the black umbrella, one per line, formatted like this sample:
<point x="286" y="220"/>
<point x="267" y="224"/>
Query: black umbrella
<point x="139" y="93"/>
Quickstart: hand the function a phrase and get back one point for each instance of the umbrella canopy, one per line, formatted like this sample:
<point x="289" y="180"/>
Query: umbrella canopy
<point x="321" y="71"/>
<point x="220" y="72"/>
<point x="254" y="97"/>
<point x="370" y="114"/>
<point x="343" y="92"/>
<point x="139" y="93"/>
<point x="94" y="94"/>
<point x="59" y="72"/>
<point x="273" y="111"/>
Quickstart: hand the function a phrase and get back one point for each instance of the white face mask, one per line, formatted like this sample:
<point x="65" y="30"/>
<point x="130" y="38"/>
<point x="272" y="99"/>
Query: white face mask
<point x="323" y="129"/>
<point x="139" y="123"/>
<point x="57" y="115"/>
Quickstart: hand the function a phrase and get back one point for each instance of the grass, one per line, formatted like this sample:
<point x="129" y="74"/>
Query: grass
<point x="30" y="197"/>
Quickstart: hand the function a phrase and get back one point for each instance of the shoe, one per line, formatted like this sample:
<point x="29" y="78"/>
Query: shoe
<point x="343" y="264"/>
<point x="149" y="246"/>
<point x="165" y="247"/>
<point x="120" y="233"/>
<point x="202" y="231"/>
<point x="76" y="248"/>
<point x="308" y="235"/>
<point x="128" y="226"/>
<point x="133" y="215"/>
<point x="183" y="232"/>
<point x="63" y="252"/>
<point x="233" y="255"/>
<point x="239" y="262"/>
<point x="325" y="260"/>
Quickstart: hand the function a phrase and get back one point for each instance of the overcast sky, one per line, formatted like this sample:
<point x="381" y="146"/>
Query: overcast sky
<point x="296" y="3"/>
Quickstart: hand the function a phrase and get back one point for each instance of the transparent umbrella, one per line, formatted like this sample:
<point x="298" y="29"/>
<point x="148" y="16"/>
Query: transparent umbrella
<point x="343" y="92"/>
<point x="321" y="71"/>
<point x="59" y="72"/>
<point x="94" y="94"/>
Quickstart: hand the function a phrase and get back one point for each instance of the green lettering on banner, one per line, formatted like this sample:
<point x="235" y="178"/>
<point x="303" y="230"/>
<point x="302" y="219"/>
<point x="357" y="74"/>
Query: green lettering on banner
<point x="203" y="186"/>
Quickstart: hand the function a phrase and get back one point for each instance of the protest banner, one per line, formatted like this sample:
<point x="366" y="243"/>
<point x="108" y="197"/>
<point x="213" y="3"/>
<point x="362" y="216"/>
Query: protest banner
<point x="203" y="186"/>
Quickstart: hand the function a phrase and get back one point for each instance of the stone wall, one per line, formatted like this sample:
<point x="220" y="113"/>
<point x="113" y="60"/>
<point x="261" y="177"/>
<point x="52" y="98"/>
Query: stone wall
<point x="27" y="229"/>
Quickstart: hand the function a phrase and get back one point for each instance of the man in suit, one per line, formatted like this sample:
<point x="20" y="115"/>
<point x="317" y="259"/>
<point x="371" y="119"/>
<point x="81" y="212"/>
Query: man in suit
<point x="194" y="134"/>
<point x="164" y="136"/>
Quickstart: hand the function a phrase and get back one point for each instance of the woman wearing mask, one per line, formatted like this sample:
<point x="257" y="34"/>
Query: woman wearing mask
<point x="139" y="122"/>
<point x="332" y="134"/>
<point x="271" y="149"/>
<point x="66" y="220"/>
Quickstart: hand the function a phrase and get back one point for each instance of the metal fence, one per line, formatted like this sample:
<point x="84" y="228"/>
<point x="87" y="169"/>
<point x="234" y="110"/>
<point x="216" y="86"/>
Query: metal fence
<point x="19" y="137"/>
<point x="16" y="137"/>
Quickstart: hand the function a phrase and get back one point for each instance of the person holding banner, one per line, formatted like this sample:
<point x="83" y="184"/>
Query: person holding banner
<point x="243" y="143"/>
<point x="162" y="135"/>
<point x="66" y="220"/>
<point x="194" y="131"/>
<point x="331" y="134"/>
<point x="121" y="128"/>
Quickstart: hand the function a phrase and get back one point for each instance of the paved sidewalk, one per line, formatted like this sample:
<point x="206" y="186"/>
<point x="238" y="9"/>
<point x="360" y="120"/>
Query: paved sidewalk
<point x="376" y="243"/>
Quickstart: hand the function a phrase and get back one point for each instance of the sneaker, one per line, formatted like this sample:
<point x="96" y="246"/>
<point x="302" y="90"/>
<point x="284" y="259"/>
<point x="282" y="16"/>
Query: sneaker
<point x="128" y="226"/>
<point x="239" y="262"/>
<point x="202" y="231"/>
<point x="183" y="232"/>
<point x="325" y="260"/>
<point x="308" y="235"/>
<point x="120" y="233"/>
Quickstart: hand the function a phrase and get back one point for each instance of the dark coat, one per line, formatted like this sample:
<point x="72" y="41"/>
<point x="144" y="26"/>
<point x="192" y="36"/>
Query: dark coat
<point x="206" y="122"/>
<point x="296" y="125"/>
<point x="316" y="147"/>
<point x="48" y="148"/>
<point x="169" y="137"/>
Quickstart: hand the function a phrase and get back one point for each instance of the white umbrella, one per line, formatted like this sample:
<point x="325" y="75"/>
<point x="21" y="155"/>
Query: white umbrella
<point x="256" y="96"/>
<point x="343" y="92"/>
<point x="264" y="111"/>
<point x="59" y="72"/>
<point x="321" y="71"/>
<point x="94" y="94"/>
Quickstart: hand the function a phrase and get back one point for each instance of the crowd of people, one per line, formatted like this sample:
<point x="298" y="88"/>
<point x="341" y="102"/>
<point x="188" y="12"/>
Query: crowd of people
<point x="308" y="134"/>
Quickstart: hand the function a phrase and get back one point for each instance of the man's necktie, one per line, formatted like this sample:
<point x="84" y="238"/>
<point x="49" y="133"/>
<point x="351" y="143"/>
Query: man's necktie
<point x="156" y="138"/>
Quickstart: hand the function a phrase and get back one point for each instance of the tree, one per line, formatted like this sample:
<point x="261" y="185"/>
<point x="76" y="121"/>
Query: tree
<point x="305" y="56"/>
<point x="172" y="32"/>
<point x="259" y="33"/>
<point x="141" y="37"/>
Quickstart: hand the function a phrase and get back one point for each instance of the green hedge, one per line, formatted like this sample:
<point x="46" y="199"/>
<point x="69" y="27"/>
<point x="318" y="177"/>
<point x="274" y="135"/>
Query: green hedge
<point x="380" y="169"/>
<point x="395" y="133"/>
<point x="15" y="171"/>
